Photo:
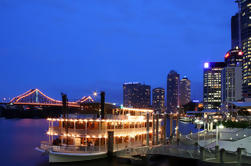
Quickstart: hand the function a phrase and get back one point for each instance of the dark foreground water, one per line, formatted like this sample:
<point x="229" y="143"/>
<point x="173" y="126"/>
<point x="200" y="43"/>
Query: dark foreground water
<point x="19" y="137"/>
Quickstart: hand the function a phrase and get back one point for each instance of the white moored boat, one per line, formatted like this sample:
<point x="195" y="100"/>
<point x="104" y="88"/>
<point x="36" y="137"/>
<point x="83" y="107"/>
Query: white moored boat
<point x="79" y="139"/>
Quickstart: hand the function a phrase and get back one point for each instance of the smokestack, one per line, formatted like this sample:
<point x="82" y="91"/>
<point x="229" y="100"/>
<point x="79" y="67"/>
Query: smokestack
<point x="102" y="105"/>
<point x="64" y="102"/>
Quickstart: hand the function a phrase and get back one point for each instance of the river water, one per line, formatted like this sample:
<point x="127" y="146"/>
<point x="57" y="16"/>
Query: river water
<point x="19" y="137"/>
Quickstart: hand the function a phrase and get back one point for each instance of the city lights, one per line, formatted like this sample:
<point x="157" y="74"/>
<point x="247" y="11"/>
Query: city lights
<point x="95" y="94"/>
<point x="206" y="65"/>
<point x="190" y="106"/>
<point x="240" y="53"/>
<point x="227" y="55"/>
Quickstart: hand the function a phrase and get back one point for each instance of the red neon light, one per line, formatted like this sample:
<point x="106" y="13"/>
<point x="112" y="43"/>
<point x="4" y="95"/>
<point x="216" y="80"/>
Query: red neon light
<point x="14" y="98"/>
<point x="227" y="55"/>
<point x="47" y="104"/>
<point x="19" y="98"/>
<point x="240" y="53"/>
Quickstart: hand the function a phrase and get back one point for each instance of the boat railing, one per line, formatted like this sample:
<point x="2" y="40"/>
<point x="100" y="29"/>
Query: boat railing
<point x="202" y="135"/>
<point x="83" y="132"/>
<point x="44" y="145"/>
<point x="234" y="135"/>
<point x="119" y="147"/>
<point x="78" y="149"/>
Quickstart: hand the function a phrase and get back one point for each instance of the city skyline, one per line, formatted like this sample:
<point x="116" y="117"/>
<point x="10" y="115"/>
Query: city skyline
<point x="133" y="82"/>
<point x="73" y="65"/>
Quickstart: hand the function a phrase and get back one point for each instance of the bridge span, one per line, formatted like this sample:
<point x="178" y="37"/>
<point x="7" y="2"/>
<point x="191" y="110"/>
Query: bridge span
<point x="37" y="98"/>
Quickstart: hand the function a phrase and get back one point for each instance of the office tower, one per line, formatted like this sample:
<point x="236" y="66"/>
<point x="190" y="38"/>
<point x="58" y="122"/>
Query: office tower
<point x="212" y="84"/>
<point x="172" y="91"/>
<point x="245" y="22"/>
<point x="136" y="95"/>
<point x="158" y="100"/>
<point x="232" y="76"/>
<point x="235" y="31"/>
<point x="233" y="57"/>
<point x="185" y="91"/>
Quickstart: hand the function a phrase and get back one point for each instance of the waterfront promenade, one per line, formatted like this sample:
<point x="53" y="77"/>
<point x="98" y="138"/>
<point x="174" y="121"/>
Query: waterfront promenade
<point x="187" y="147"/>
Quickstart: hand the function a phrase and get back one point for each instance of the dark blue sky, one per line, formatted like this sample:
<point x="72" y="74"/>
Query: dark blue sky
<point x="78" y="46"/>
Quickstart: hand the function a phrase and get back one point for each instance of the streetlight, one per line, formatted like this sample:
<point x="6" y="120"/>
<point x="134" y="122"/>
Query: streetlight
<point x="95" y="93"/>
<point x="217" y="133"/>
<point x="199" y="123"/>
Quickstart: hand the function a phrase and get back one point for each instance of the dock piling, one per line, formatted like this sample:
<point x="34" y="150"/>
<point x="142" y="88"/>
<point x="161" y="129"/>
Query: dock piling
<point x="147" y="128"/>
<point x="110" y="143"/>
<point x="239" y="154"/>
<point x="217" y="156"/>
<point x="171" y="124"/>
<point x="154" y="125"/>
<point x="157" y="128"/>
<point x="202" y="153"/>
<point x="164" y="129"/>
<point x="222" y="153"/>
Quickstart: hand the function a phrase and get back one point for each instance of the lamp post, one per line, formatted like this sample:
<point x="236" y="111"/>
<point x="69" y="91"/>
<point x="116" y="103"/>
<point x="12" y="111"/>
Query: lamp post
<point x="217" y="133"/>
<point x="199" y="126"/>
<point x="95" y="94"/>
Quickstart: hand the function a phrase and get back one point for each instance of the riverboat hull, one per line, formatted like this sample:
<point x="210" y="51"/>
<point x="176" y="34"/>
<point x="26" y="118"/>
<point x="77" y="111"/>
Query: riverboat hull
<point x="59" y="157"/>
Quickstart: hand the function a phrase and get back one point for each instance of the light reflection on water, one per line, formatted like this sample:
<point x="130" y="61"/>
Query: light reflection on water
<point x="19" y="137"/>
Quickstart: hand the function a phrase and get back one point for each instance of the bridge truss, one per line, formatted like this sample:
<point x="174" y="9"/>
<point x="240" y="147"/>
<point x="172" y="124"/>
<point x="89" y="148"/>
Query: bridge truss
<point x="36" y="97"/>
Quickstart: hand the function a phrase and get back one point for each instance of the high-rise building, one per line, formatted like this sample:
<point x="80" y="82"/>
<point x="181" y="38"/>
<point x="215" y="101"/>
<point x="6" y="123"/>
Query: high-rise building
<point x="136" y="95"/>
<point x="172" y="91"/>
<point x="158" y="100"/>
<point x="233" y="57"/>
<point x="185" y="91"/>
<point x="235" y="31"/>
<point x="232" y="76"/>
<point x="212" y="84"/>
<point x="245" y="25"/>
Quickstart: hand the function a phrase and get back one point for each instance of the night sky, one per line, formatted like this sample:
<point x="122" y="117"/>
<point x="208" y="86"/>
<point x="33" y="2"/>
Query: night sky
<point x="79" y="46"/>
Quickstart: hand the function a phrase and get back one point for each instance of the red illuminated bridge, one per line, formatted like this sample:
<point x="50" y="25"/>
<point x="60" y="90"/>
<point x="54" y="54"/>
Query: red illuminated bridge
<point x="36" y="97"/>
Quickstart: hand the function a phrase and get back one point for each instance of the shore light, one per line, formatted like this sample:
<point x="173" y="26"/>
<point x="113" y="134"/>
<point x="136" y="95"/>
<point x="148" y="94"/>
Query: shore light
<point x="221" y="126"/>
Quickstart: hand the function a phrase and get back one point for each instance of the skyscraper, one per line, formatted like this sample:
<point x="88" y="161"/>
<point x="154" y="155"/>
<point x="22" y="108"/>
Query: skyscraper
<point x="212" y="84"/>
<point x="136" y="95"/>
<point x="185" y="91"/>
<point x="232" y="76"/>
<point x="158" y="100"/>
<point x="245" y="22"/>
<point x="172" y="94"/>
<point x="235" y="31"/>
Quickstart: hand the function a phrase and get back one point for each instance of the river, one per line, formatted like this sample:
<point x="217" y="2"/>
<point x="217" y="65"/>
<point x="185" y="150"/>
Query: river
<point x="19" y="137"/>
